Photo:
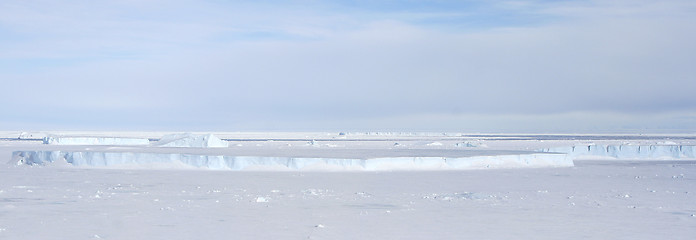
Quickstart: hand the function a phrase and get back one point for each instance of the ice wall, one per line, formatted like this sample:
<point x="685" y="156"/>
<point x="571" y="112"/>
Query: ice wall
<point x="60" y="140"/>
<point x="170" y="160"/>
<point x="191" y="140"/>
<point x="628" y="152"/>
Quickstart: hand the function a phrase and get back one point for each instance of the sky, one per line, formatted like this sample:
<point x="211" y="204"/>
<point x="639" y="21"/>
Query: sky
<point x="563" y="66"/>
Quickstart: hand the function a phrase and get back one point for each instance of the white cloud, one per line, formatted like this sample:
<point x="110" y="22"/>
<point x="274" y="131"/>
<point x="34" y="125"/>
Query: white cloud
<point x="624" y="57"/>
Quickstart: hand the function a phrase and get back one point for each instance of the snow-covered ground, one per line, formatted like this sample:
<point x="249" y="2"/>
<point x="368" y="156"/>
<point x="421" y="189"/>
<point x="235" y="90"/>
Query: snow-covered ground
<point x="601" y="197"/>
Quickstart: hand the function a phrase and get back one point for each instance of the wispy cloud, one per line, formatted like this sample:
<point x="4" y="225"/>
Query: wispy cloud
<point x="308" y="60"/>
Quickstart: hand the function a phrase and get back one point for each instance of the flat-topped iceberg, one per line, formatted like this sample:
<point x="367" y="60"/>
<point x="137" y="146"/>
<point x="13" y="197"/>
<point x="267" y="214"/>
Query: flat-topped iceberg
<point x="628" y="152"/>
<point x="67" y="140"/>
<point x="191" y="140"/>
<point x="221" y="162"/>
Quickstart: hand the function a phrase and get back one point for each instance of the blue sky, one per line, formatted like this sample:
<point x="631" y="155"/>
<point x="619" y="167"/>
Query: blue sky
<point x="475" y="66"/>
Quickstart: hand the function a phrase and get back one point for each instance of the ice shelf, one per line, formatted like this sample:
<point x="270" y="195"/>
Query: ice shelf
<point x="65" y="140"/>
<point x="220" y="162"/>
<point x="628" y="152"/>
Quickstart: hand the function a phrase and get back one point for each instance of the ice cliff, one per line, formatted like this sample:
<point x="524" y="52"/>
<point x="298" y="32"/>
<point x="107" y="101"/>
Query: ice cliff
<point x="628" y="152"/>
<point x="218" y="162"/>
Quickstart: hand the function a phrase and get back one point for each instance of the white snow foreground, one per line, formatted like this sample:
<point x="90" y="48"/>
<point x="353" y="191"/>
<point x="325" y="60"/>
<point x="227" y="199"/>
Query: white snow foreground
<point x="191" y="140"/>
<point x="628" y="152"/>
<point x="219" y="162"/>
<point x="65" y="140"/>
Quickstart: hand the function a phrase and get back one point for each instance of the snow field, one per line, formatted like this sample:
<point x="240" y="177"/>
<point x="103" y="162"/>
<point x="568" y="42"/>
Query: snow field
<point x="643" y="201"/>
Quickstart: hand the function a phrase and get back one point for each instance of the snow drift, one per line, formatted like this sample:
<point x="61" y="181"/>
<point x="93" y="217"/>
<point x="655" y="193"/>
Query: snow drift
<point x="65" y="140"/>
<point x="219" y="162"/>
<point x="628" y="152"/>
<point x="191" y="140"/>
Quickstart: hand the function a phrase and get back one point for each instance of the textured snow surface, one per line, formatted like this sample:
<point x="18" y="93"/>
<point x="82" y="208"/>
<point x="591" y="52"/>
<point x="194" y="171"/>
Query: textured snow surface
<point x="65" y="140"/>
<point x="601" y="201"/>
<point x="217" y="162"/>
<point x="628" y="152"/>
<point x="191" y="140"/>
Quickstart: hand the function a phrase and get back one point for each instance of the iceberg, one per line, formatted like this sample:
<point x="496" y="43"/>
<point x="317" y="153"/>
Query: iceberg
<point x="191" y="140"/>
<point x="222" y="162"/>
<point x="65" y="140"/>
<point x="628" y="152"/>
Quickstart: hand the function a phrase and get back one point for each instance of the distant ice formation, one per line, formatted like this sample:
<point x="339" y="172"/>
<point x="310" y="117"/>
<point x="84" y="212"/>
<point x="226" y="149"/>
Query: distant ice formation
<point x="628" y="152"/>
<point x="471" y="144"/>
<point x="402" y="134"/>
<point x="31" y="135"/>
<point x="66" y="140"/>
<point x="218" y="162"/>
<point x="434" y="144"/>
<point x="172" y="140"/>
<point x="191" y="140"/>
